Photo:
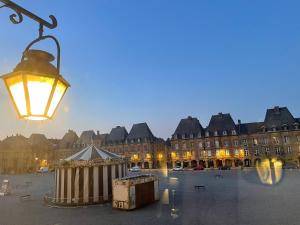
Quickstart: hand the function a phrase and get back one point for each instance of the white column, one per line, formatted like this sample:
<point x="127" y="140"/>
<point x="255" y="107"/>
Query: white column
<point x="76" y="185"/>
<point x="69" y="187"/>
<point x="85" y="185"/>
<point x="62" y="187"/>
<point x="96" y="184"/>
<point x="113" y="172"/>
<point x="120" y="170"/>
<point x="105" y="183"/>
<point x="57" y="185"/>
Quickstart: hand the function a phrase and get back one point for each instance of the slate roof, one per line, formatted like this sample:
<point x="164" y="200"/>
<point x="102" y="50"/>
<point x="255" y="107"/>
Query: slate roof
<point x="277" y="117"/>
<point x="188" y="126"/>
<point x="91" y="153"/>
<point x="38" y="138"/>
<point x="68" y="140"/>
<point x="250" y="128"/>
<point x="140" y="131"/>
<point x="86" y="137"/>
<point x="221" y="122"/>
<point x="117" y="134"/>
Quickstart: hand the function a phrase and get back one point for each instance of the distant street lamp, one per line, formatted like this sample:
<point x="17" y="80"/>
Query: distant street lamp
<point x="35" y="85"/>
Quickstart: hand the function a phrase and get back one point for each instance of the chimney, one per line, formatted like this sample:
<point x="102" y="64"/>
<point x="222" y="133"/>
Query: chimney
<point x="98" y="133"/>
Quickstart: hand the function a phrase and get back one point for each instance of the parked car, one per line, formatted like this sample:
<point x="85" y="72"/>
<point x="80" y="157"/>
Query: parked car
<point x="224" y="168"/>
<point x="135" y="169"/>
<point x="178" y="168"/>
<point x="290" y="166"/>
<point x="43" y="170"/>
<point x="199" y="168"/>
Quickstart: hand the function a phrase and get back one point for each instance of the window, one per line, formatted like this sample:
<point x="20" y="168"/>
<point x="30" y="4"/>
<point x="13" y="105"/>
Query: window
<point x="277" y="150"/>
<point x="255" y="142"/>
<point x="184" y="146"/>
<point x="286" y="139"/>
<point x="245" y="143"/>
<point x="199" y="135"/>
<point x="217" y="143"/>
<point x="192" y="145"/>
<point x="236" y="143"/>
<point x="176" y="146"/>
<point x="227" y="152"/>
<point x="206" y="134"/>
<point x="183" y="136"/>
<point x="200" y="145"/>
<point x="139" y="140"/>
<point x="265" y="141"/>
<point x="274" y="129"/>
<point x="267" y="150"/>
<point x="191" y="136"/>
<point x="224" y="132"/>
<point x="209" y="153"/>
<point x="289" y="150"/>
<point x="298" y="138"/>
<point x="246" y="152"/>
<point x="226" y="143"/>
<point x="276" y="140"/>
<point x="203" y="153"/>
<point x="208" y="144"/>
<point x="256" y="152"/>
<point x="216" y="133"/>
<point x="233" y="132"/>
<point x="236" y="152"/>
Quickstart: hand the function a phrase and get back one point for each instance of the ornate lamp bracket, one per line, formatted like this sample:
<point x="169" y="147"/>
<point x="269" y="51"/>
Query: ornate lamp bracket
<point x="19" y="12"/>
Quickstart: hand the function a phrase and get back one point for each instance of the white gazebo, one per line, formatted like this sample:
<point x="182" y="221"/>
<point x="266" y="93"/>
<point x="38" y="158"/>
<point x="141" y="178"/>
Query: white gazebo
<point x="86" y="177"/>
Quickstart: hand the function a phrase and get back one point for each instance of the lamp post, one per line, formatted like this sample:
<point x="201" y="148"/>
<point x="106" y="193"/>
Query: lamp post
<point x="35" y="86"/>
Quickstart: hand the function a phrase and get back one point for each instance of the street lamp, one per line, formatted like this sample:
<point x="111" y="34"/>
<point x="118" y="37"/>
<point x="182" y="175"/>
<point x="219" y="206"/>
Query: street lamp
<point x="35" y="86"/>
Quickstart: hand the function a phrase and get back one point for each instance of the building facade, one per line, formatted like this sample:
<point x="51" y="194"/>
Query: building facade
<point x="225" y="143"/>
<point x="221" y="143"/>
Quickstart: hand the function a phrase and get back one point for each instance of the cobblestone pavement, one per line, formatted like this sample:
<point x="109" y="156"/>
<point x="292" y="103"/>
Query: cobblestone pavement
<point x="237" y="198"/>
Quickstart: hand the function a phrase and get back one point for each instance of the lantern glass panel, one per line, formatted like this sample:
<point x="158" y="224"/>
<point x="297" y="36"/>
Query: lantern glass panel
<point x="39" y="90"/>
<point x="57" y="96"/>
<point x="16" y="88"/>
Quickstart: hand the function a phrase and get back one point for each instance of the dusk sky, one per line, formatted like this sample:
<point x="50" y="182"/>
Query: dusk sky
<point x="158" y="61"/>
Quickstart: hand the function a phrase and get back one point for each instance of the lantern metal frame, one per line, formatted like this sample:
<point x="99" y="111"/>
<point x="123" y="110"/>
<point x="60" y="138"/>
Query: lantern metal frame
<point x="17" y="18"/>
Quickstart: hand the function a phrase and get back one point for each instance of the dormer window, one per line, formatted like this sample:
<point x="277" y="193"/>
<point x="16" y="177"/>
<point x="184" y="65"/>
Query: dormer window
<point x="296" y="126"/>
<point x="233" y="132"/>
<point x="224" y="133"/>
<point x="132" y="141"/>
<point x="274" y="129"/>
<point x="191" y="136"/>
<point x="183" y="136"/>
<point x="216" y="133"/>
<point x="139" y="140"/>
<point x="199" y="135"/>
<point x="285" y="127"/>
<point x="264" y="129"/>
<point x="206" y="134"/>
<point x="175" y="136"/>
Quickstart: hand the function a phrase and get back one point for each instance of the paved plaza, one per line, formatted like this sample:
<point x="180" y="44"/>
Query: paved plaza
<point x="237" y="198"/>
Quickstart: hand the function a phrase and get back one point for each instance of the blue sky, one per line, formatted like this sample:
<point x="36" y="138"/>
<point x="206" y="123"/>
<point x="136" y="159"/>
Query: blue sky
<point x="158" y="61"/>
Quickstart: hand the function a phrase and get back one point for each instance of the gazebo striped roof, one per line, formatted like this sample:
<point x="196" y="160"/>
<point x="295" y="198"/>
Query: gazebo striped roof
<point x="92" y="152"/>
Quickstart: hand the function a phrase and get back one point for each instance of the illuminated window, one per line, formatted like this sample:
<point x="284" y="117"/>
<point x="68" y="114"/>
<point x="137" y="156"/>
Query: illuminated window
<point x="246" y="152"/>
<point x="236" y="152"/>
<point x="255" y="142"/>
<point x="227" y="152"/>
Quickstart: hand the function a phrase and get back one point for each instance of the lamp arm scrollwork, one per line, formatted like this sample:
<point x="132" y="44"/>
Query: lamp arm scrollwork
<point x="17" y="17"/>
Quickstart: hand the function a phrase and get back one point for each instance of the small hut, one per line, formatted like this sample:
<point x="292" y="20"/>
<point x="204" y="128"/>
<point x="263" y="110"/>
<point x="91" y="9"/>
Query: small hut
<point x="86" y="177"/>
